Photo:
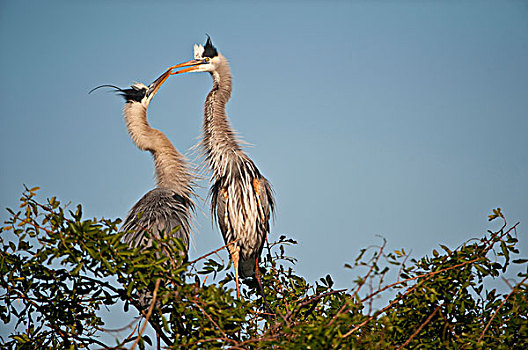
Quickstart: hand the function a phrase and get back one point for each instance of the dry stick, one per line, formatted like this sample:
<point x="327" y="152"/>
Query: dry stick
<point x="214" y="251"/>
<point x="497" y="310"/>
<point x="365" y="278"/>
<point x="491" y="243"/>
<point x="370" y="270"/>
<point x="384" y="309"/>
<point x="129" y="338"/>
<point x="140" y="309"/>
<point x="152" y="304"/>
<point x="419" y="276"/>
<point x="427" y="275"/>
<point x="419" y="328"/>
<point x="117" y="330"/>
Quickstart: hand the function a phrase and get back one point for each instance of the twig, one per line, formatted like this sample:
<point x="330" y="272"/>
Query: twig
<point x="403" y="264"/>
<point x="397" y="299"/>
<point x="117" y="330"/>
<point x="420" y="276"/>
<point x="214" y="251"/>
<point x="314" y="300"/>
<point x="497" y="310"/>
<point x="426" y="275"/>
<point x="375" y="263"/>
<point x="154" y="325"/>
<point x="360" y="285"/>
<point x="209" y="317"/>
<point x="419" y="328"/>
<point x="152" y="304"/>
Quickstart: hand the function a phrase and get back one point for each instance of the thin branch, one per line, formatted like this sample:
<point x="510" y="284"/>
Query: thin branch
<point x="154" y="325"/>
<point x="497" y="310"/>
<point x="360" y="285"/>
<point x="375" y="263"/>
<point x="213" y="252"/>
<point x="152" y="304"/>
<point x="197" y="303"/>
<point x="397" y="299"/>
<point x="428" y="274"/>
<point x="117" y="330"/>
<point x="403" y="264"/>
<point x="420" y="328"/>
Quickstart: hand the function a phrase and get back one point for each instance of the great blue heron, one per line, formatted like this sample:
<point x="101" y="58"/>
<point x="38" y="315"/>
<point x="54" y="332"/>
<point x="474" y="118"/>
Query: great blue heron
<point x="170" y="204"/>
<point x="241" y="197"/>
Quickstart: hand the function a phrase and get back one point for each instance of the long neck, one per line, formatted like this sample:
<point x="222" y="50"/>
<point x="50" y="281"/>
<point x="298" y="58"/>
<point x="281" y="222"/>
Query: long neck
<point x="219" y="142"/>
<point x="170" y="165"/>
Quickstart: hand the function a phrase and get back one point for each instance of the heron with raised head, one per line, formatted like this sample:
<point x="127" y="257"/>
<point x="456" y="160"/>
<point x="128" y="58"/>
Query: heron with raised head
<point x="241" y="198"/>
<point x="169" y="207"/>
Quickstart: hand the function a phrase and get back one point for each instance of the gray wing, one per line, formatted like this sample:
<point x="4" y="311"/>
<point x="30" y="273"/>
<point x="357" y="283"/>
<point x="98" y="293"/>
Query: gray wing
<point x="218" y="207"/>
<point x="264" y="193"/>
<point x="159" y="211"/>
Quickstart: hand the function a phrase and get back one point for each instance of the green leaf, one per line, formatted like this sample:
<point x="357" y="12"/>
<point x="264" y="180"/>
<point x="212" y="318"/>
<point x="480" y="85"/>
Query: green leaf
<point x="520" y="261"/>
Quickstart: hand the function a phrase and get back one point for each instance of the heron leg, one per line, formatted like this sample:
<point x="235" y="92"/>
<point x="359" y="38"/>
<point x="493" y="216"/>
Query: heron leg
<point x="234" y="251"/>
<point x="257" y="276"/>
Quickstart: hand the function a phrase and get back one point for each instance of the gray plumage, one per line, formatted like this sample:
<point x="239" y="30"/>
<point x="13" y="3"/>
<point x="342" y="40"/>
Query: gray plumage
<point x="169" y="206"/>
<point x="161" y="210"/>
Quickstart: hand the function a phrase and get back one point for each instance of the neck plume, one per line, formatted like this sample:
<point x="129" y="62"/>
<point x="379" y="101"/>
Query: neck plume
<point x="220" y="143"/>
<point x="170" y="165"/>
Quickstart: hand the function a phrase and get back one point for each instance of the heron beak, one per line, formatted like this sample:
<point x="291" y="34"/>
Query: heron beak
<point x="192" y="64"/>
<point x="156" y="84"/>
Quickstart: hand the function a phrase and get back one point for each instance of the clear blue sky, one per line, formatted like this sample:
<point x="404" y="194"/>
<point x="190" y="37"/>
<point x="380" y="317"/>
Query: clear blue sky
<point x="402" y="119"/>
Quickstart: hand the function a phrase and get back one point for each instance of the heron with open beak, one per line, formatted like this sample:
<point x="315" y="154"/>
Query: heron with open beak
<point x="241" y="197"/>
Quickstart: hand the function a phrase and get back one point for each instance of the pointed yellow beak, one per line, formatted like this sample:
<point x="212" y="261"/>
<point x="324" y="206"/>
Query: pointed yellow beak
<point x="156" y="84"/>
<point x="192" y="64"/>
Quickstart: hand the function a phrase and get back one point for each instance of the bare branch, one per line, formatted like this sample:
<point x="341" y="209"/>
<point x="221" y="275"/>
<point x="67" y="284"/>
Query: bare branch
<point x="420" y="328"/>
<point x="497" y="310"/>
<point x="152" y="304"/>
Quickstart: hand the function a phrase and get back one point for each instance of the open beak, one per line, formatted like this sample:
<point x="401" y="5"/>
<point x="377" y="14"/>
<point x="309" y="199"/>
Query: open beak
<point x="156" y="84"/>
<point x="192" y="65"/>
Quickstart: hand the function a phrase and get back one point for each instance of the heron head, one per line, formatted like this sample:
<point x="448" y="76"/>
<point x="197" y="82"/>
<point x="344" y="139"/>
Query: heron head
<point x="139" y="92"/>
<point x="206" y="59"/>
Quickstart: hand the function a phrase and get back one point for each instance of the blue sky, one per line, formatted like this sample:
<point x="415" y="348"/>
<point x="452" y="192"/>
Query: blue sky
<point x="401" y="119"/>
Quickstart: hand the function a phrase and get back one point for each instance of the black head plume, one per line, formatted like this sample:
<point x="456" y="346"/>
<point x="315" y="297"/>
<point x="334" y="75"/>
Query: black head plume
<point x="135" y="93"/>
<point x="105" y="85"/>
<point x="209" y="49"/>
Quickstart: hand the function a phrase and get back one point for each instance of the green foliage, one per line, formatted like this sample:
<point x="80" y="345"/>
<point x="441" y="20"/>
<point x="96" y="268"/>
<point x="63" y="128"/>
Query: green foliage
<point x="59" y="271"/>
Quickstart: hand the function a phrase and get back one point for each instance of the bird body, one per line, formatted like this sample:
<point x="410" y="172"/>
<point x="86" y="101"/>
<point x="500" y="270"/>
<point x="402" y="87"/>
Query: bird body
<point x="241" y="198"/>
<point x="160" y="211"/>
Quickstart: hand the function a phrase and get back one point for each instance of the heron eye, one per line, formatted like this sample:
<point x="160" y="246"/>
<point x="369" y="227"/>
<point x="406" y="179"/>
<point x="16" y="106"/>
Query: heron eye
<point x="207" y="59"/>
